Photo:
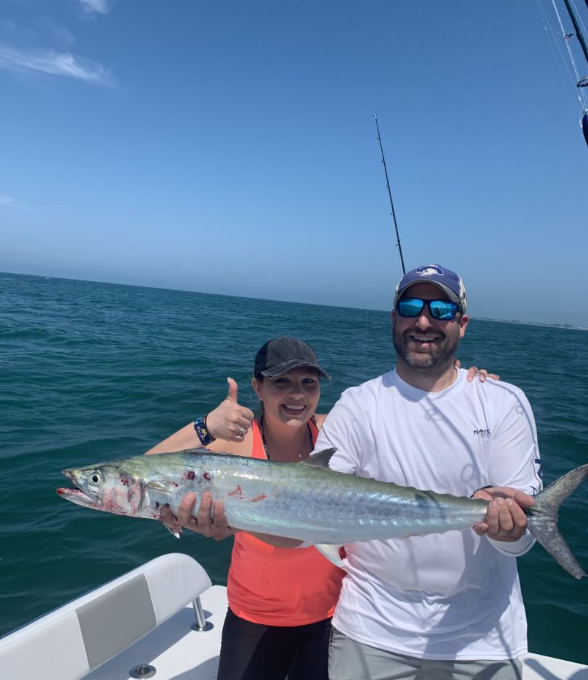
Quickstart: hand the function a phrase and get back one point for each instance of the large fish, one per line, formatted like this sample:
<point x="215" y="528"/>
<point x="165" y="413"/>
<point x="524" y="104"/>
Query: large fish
<point x="305" y="500"/>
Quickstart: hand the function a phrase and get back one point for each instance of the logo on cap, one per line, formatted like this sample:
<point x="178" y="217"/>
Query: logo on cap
<point x="430" y="270"/>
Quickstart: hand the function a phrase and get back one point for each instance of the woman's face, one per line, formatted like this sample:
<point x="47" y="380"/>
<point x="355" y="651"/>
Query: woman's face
<point x="289" y="398"/>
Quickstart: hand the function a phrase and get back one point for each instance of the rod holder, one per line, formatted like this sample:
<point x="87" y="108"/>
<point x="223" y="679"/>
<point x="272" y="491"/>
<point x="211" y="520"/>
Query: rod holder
<point x="201" y="624"/>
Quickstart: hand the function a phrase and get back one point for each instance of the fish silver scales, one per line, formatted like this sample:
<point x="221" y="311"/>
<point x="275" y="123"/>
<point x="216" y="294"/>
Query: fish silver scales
<point x="305" y="500"/>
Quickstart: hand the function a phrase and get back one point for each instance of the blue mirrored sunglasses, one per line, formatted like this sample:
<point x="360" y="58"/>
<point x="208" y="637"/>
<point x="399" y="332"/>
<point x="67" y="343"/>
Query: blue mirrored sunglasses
<point x="444" y="310"/>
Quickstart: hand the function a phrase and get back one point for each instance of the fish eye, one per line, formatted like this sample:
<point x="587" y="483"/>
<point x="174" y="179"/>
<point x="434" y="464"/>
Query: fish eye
<point x="95" y="478"/>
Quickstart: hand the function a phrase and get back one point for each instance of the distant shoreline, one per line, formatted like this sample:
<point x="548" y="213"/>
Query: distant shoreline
<point x="563" y="326"/>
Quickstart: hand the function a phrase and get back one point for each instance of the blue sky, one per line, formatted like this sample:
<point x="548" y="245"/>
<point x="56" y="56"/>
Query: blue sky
<point x="230" y="147"/>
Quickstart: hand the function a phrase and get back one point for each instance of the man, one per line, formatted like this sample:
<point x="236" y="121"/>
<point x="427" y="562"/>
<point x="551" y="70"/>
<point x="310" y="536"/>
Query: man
<point x="442" y="606"/>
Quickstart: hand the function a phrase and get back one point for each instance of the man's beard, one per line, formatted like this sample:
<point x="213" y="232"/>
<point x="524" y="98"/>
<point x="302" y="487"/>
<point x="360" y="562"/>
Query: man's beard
<point x="435" y="360"/>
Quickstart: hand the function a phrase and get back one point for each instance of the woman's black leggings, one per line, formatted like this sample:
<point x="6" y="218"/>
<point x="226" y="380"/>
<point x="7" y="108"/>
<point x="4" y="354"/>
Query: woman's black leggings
<point x="252" y="651"/>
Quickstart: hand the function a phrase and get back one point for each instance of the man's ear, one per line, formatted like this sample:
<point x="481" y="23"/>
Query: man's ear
<point x="463" y="322"/>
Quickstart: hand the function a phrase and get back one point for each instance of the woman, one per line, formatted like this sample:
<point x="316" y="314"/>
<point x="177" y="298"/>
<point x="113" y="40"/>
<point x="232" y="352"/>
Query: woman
<point x="280" y="600"/>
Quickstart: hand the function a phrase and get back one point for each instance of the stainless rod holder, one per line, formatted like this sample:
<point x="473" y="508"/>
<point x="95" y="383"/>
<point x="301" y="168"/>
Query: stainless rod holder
<point x="201" y="624"/>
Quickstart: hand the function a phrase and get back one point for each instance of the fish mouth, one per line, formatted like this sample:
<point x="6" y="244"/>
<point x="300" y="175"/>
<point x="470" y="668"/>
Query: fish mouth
<point x="77" y="494"/>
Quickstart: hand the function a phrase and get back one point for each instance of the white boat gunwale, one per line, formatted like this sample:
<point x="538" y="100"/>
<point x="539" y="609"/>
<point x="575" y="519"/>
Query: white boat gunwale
<point x="165" y="615"/>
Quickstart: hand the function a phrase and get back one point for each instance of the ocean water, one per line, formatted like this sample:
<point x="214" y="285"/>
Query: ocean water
<point x="92" y="371"/>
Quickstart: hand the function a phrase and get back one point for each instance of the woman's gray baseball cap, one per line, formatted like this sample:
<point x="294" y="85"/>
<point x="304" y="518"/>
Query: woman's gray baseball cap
<point x="449" y="282"/>
<point x="282" y="354"/>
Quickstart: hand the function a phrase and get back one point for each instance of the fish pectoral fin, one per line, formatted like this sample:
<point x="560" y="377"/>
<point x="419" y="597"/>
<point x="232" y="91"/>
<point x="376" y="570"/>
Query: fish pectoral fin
<point x="162" y="487"/>
<point x="177" y="534"/>
<point x="331" y="552"/>
<point x="320" y="459"/>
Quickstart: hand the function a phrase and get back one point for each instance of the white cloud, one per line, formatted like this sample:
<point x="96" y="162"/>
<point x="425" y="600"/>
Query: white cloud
<point x="51" y="62"/>
<point x="98" y="6"/>
<point x="61" y="33"/>
<point x="7" y="201"/>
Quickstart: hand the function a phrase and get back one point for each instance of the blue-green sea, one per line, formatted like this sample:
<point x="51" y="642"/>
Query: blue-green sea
<point x="95" y="371"/>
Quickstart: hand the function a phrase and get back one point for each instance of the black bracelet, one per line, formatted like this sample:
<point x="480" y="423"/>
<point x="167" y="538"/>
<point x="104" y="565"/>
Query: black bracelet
<point x="202" y="431"/>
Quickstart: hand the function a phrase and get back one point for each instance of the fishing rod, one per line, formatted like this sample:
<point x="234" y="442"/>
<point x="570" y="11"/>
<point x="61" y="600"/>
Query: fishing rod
<point x="582" y="81"/>
<point x="390" y="197"/>
<point x="577" y="29"/>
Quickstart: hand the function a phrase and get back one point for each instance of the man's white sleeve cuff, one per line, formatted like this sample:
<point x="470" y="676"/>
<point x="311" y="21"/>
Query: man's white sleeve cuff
<point x="514" y="548"/>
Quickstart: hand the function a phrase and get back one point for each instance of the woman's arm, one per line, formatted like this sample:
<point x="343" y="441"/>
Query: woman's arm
<point x="228" y="422"/>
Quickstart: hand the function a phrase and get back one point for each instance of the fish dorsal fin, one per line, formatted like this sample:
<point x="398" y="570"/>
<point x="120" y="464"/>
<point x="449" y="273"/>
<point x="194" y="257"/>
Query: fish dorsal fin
<point x="200" y="451"/>
<point x="320" y="459"/>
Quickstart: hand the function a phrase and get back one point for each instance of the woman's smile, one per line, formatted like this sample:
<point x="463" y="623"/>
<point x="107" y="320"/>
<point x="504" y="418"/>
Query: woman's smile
<point x="294" y="409"/>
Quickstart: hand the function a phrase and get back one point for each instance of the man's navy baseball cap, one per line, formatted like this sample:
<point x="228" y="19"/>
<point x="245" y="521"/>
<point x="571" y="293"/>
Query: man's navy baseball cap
<point x="449" y="282"/>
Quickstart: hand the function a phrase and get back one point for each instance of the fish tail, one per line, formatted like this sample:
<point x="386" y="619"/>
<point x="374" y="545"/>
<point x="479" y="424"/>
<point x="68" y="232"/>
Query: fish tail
<point x="543" y="519"/>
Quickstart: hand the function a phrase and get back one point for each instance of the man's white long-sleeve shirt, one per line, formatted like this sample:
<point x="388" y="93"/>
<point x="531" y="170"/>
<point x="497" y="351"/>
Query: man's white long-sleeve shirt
<point x="443" y="596"/>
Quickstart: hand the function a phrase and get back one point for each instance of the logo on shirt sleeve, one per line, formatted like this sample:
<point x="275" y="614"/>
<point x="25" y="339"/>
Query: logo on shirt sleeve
<point x="483" y="433"/>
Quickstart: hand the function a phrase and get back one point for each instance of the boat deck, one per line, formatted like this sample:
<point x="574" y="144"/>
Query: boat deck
<point x="179" y="653"/>
<point x="144" y="625"/>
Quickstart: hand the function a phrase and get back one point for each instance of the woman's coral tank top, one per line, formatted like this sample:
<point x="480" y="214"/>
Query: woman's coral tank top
<point x="280" y="586"/>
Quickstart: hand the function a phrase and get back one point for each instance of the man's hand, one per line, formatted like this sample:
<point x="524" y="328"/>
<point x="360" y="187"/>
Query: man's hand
<point x="229" y="421"/>
<point x="206" y="523"/>
<point x="505" y="519"/>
